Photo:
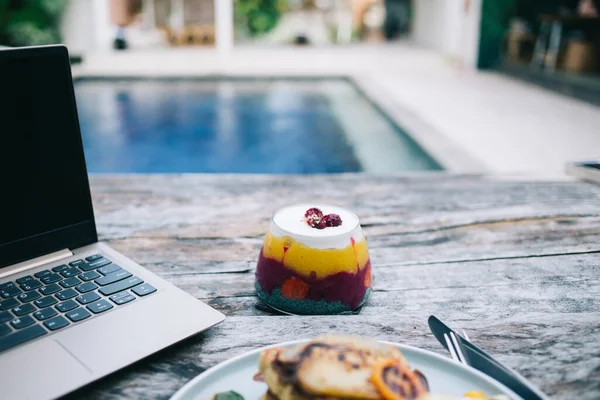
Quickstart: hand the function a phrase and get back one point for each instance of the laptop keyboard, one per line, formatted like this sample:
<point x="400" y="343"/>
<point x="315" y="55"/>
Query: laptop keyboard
<point x="55" y="298"/>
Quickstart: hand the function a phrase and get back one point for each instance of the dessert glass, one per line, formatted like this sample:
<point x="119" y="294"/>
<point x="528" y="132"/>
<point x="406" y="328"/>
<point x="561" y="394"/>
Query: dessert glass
<point x="302" y="269"/>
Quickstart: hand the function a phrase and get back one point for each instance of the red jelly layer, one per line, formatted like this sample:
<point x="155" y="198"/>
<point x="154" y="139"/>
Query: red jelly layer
<point x="349" y="289"/>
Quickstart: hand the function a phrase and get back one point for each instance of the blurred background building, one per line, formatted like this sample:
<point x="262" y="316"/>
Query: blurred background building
<point x="554" y="43"/>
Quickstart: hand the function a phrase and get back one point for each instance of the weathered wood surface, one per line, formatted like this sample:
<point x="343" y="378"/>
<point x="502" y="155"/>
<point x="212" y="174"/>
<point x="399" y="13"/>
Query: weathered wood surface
<point x="514" y="262"/>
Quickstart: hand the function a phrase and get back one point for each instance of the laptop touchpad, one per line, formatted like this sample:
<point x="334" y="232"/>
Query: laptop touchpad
<point x="39" y="368"/>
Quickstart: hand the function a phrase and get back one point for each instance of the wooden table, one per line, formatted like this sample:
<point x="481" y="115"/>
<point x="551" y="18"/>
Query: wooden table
<point x="515" y="262"/>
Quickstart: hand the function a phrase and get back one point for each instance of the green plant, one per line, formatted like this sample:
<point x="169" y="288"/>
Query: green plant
<point x="30" y="22"/>
<point x="257" y="17"/>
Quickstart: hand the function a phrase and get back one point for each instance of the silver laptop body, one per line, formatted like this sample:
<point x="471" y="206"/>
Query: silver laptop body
<point x="58" y="333"/>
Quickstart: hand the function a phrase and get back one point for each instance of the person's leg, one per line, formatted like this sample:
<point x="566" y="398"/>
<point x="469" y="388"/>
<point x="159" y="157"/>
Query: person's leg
<point x="120" y="43"/>
<point x="120" y="17"/>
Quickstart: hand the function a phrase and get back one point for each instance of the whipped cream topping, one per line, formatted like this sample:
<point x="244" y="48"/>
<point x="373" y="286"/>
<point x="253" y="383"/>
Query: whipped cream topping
<point x="289" y="221"/>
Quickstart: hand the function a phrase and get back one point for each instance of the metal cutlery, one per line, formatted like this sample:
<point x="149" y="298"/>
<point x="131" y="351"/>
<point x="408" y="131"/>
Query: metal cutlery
<point x="464" y="351"/>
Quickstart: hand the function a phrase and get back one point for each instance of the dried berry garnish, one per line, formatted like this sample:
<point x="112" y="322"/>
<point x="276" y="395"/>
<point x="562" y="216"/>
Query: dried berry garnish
<point x="321" y="224"/>
<point x="313" y="216"/>
<point x="315" y="219"/>
<point x="312" y="212"/>
<point x="332" y="220"/>
<point x="313" y="223"/>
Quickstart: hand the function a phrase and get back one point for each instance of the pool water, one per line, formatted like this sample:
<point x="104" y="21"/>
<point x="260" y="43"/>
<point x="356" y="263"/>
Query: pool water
<point x="237" y="126"/>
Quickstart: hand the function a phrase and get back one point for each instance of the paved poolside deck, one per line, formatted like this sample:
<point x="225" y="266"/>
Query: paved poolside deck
<point x="473" y="121"/>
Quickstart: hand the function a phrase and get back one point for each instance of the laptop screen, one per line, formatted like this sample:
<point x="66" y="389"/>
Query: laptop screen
<point x="45" y="202"/>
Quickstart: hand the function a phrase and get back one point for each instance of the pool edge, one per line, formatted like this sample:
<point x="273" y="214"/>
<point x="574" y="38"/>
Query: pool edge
<point x="442" y="149"/>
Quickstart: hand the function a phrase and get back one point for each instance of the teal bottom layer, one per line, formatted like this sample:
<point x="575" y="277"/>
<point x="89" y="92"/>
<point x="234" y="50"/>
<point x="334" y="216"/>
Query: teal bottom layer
<point x="303" y="307"/>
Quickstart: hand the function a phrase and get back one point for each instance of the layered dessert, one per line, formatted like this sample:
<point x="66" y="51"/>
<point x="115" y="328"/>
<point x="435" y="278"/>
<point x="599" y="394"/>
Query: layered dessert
<point x="314" y="260"/>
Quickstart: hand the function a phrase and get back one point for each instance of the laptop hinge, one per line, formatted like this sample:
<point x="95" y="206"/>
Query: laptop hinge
<point x="35" y="262"/>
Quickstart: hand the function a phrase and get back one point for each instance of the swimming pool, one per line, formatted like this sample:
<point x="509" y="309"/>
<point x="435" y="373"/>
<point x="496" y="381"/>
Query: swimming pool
<point x="238" y="126"/>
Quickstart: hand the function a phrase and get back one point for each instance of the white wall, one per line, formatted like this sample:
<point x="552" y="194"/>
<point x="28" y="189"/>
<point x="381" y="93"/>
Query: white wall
<point x="224" y="25"/>
<point x="85" y="26"/>
<point x="447" y="26"/>
<point x="77" y="26"/>
<point x="471" y="32"/>
<point x="428" y="22"/>
<point x="104" y="33"/>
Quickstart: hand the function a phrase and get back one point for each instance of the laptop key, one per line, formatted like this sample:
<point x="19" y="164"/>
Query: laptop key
<point x="42" y="274"/>
<point x="78" y="315"/>
<point x="94" y="257"/>
<point x="22" y="322"/>
<point x="94" y="264"/>
<point x="24" y="309"/>
<point x="56" y="323"/>
<point x="52" y="278"/>
<point x="120" y="286"/>
<point x="99" y="306"/>
<point x="28" y="296"/>
<point x="86" y="287"/>
<point x="88" y="276"/>
<point x="113" y="277"/>
<point x="69" y="272"/>
<point x="66" y="294"/>
<point x="4" y="330"/>
<point x="144" y="289"/>
<point x="24" y="279"/>
<point x="76" y="263"/>
<point x="45" y="302"/>
<point x="87" y="298"/>
<point x="122" y="298"/>
<point x="70" y="282"/>
<point x="44" y="314"/>
<point x="59" y="268"/>
<point x="20" y="337"/>
<point x="9" y="303"/>
<point x="7" y="285"/>
<point x="50" y="289"/>
<point x="67" y="305"/>
<point x="109" y="269"/>
<point x="5" y="316"/>
<point x="31" y="285"/>
<point x="10" y="292"/>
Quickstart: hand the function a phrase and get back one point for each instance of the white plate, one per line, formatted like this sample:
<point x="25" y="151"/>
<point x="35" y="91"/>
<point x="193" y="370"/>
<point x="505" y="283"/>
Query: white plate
<point x="444" y="376"/>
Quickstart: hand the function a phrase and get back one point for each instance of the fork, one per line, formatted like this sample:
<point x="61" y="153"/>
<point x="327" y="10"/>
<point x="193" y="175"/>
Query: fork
<point x="457" y="355"/>
<point x="454" y="349"/>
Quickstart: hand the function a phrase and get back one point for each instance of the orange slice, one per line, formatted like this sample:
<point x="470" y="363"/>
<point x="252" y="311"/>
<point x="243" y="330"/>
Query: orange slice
<point x="368" y="278"/>
<point x="294" y="288"/>
<point x="395" y="381"/>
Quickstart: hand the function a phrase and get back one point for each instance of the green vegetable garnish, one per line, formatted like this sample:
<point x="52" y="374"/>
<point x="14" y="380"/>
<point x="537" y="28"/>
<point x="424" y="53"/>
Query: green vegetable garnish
<point x="231" y="395"/>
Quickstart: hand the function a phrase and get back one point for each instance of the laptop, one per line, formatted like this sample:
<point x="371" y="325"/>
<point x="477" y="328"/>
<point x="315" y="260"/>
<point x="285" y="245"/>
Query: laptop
<point x="71" y="309"/>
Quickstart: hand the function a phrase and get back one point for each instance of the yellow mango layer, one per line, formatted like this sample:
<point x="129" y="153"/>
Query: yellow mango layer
<point x="323" y="262"/>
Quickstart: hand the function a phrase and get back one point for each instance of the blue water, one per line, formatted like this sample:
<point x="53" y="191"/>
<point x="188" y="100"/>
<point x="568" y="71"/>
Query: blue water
<point x="211" y="126"/>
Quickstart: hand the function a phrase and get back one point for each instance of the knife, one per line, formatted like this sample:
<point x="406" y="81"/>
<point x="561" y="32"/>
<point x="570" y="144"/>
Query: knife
<point x="485" y="363"/>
